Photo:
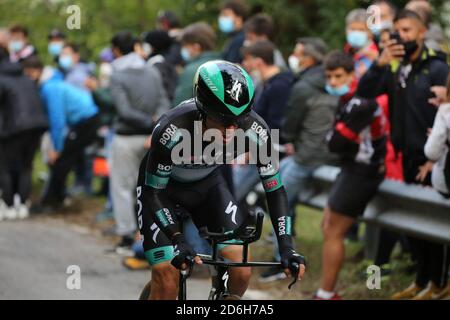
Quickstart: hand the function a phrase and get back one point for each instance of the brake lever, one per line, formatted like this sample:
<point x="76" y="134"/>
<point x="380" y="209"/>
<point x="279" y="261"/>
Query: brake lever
<point x="188" y="272"/>
<point x="297" y="267"/>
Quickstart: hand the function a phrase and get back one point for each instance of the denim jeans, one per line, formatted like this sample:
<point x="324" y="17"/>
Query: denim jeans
<point x="295" y="177"/>
<point x="199" y="244"/>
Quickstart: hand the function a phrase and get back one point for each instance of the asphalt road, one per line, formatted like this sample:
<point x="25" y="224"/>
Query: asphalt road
<point x="35" y="255"/>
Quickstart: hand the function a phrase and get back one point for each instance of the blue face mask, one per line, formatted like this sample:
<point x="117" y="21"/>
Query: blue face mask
<point x="185" y="54"/>
<point x="338" y="92"/>
<point x="383" y="25"/>
<point x="16" y="46"/>
<point x="357" y="39"/>
<point x="55" y="48"/>
<point x="66" y="62"/>
<point x="226" y="24"/>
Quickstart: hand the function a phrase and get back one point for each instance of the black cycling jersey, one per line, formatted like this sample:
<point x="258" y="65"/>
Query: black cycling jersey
<point x="163" y="183"/>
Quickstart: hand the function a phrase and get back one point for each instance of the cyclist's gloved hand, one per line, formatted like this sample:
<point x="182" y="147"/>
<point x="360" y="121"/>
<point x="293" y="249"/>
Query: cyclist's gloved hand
<point x="184" y="254"/>
<point x="294" y="262"/>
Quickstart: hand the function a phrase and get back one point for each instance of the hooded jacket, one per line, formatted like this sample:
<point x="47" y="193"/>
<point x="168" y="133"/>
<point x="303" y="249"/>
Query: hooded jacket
<point x="309" y="118"/>
<point x="138" y="95"/>
<point x="20" y="105"/>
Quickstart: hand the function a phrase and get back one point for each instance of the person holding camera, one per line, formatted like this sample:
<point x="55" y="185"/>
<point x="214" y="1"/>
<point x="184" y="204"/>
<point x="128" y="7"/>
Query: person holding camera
<point x="407" y="70"/>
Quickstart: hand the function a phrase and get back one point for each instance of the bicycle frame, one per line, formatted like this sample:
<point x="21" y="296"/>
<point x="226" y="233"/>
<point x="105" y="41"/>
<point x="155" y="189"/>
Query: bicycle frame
<point x="246" y="234"/>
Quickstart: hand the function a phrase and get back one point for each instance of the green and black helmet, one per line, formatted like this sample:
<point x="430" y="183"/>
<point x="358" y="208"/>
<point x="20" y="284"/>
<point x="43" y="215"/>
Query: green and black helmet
<point x="223" y="91"/>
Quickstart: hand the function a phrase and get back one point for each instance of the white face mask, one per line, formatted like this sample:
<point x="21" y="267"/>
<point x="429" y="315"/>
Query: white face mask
<point x="294" y="64"/>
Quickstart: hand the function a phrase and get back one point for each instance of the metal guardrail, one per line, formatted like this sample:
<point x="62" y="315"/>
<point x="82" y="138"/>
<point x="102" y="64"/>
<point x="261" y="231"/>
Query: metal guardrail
<point x="407" y="209"/>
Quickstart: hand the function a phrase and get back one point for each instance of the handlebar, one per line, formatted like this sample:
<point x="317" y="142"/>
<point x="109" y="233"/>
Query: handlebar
<point x="249" y="231"/>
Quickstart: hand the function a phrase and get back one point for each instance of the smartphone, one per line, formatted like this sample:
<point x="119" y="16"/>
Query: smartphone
<point x="395" y="36"/>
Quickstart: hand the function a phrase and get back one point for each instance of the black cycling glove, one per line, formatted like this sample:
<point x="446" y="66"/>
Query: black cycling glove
<point x="291" y="260"/>
<point x="183" y="251"/>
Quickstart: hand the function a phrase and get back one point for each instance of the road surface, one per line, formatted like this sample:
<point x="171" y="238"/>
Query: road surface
<point x="35" y="256"/>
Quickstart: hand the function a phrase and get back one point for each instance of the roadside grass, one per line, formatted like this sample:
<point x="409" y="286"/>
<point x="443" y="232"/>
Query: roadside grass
<point x="352" y="282"/>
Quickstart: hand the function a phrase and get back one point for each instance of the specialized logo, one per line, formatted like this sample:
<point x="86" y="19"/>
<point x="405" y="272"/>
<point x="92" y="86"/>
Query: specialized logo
<point x="235" y="91"/>
<point x="232" y="209"/>
<point x="156" y="230"/>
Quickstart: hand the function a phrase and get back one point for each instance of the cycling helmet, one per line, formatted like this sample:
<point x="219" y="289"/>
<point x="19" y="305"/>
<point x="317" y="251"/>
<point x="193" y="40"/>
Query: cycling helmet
<point x="223" y="91"/>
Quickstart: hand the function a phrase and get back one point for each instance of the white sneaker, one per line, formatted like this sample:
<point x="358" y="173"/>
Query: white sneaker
<point x="23" y="212"/>
<point x="10" y="213"/>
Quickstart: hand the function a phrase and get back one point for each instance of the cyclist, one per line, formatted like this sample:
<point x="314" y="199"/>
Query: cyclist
<point x="223" y="99"/>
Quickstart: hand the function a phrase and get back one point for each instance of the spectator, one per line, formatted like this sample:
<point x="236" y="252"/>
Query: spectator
<point x="198" y="43"/>
<point x="76" y="72"/>
<point x="270" y="104"/>
<point x="359" y="138"/>
<point x="435" y="37"/>
<point x="260" y="27"/>
<point x="437" y="146"/>
<point x="139" y="98"/>
<point x="308" y="118"/>
<point x="387" y="15"/>
<point x="231" y="22"/>
<point x="22" y="123"/>
<point x="161" y="42"/>
<point x="19" y="47"/>
<point x="73" y="118"/>
<point x="56" y="41"/>
<point x="407" y="71"/>
<point x="170" y="23"/>
<point x="360" y="41"/>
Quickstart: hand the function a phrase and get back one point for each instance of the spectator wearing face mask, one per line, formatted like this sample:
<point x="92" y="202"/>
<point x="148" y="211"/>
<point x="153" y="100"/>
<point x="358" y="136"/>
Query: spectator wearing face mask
<point x="258" y="28"/>
<point x="75" y="71"/>
<point x="359" y="138"/>
<point x="231" y="22"/>
<point x="19" y="46"/>
<point x="407" y="71"/>
<point x="360" y="42"/>
<point x="387" y="12"/>
<point x="56" y="41"/>
<point x="73" y="120"/>
<point x="198" y="43"/>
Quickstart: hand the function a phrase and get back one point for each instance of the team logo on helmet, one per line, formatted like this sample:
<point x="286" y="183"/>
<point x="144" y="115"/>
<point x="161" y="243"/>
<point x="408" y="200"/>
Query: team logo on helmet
<point x="235" y="91"/>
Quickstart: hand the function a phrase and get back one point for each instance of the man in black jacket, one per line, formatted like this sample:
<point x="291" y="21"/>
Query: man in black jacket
<point x="22" y="122"/>
<point x="407" y="71"/>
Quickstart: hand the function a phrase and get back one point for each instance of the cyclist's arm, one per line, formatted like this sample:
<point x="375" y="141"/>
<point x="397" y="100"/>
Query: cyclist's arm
<point x="157" y="175"/>
<point x="275" y="192"/>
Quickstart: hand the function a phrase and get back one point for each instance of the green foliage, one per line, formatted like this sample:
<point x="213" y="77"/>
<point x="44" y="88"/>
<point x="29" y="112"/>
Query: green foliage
<point x="100" y="19"/>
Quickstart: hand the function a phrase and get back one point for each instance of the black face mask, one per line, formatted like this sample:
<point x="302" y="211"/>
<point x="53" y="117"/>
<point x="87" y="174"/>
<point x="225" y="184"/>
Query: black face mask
<point x="410" y="48"/>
